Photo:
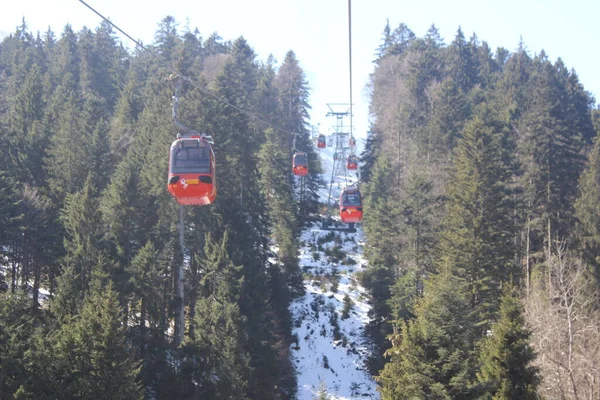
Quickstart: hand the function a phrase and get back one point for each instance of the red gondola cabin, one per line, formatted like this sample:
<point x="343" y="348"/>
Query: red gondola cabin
<point x="352" y="141"/>
<point x="351" y="209"/>
<point x="321" y="142"/>
<point x="352" y="162"/>
<point x="192" y="179"/>
<point x="300" y="164"/>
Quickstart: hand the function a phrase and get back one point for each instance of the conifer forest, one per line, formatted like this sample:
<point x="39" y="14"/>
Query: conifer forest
<point x="480" y="179"/>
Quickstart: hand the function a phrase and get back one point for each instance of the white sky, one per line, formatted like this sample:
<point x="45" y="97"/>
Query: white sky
<point x="317" y="31"/>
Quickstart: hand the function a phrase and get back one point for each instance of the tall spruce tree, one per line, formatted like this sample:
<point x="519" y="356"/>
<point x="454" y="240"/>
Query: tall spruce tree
<point x="92" y="355"/>
<point x="429" y="358"/>
<point x="587" y="210"/>
<point x="506" y="357"/>
<point x="293" y="98"/>
<point x="476" y="243"/>
<point x="82" y="221"/>
<point x="221" y="330"/>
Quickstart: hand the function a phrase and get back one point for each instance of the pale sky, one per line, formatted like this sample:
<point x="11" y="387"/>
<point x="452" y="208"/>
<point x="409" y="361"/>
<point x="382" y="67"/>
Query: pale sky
<point x="317" y="31"/>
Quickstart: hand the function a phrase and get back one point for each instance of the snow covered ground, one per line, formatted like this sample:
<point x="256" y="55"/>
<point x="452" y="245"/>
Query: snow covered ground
<point x="331" y="347"/>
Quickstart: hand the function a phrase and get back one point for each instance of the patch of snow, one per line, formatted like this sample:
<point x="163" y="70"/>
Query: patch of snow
<point x="330" y="352"/>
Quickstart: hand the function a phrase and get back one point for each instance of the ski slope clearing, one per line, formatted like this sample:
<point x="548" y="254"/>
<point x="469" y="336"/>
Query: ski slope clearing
<point x="330" y="346"/>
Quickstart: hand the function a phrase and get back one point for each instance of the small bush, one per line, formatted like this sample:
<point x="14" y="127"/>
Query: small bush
<point x="347" y="260"/>
<point x="348" y="303"/>
<point x="327" y="238"/>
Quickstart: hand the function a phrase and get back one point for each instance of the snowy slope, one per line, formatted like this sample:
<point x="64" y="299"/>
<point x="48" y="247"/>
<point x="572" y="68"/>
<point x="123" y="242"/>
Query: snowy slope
<point x="331" y="348"/>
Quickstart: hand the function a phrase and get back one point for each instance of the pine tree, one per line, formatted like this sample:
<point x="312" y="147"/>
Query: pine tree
<point x="274" y="170"/>
<point x="38" y="240"/>
<point x="587" y="210"/>
<point x="82" y="221"/>
<point x="552" y="160"/>
<point x="66" y="57"/>
<point x="146" y="277"/>
<point x="126" y="114"/>
<point x="293" y="97"/>
<point x="506" y="356"/>
<point x="476" y="244"/>
<point x="368" y="156"/>
<point x="461" y="66"/>
<point x="429" y="358"/>
<point x="67" y="164"/>
<point x="16" y="328"/>
<point x="9" y="214"/>
<point x="381" y="231"/>
<point x="107" y="63"/>
<point x="221" y="332"/>
<point x="93" y="357"/>
<point x="167" y="40"/>
<point x="27" y="138"/>
<point x="450" y="113"/>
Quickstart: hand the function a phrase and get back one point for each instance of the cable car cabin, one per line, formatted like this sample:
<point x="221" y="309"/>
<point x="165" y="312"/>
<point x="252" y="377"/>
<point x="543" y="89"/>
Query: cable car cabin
<point x="300" y="164"/>
<point x="352" y="142"/>
<point x="321" y="142"/>
<point x="192" y="179"/>
<point x="336" y="156"/>
<point x="350" y="206"/>
<point x="352" y="162"/>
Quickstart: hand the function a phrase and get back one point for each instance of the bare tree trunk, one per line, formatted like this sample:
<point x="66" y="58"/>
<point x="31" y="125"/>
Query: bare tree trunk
<point x="36" y="285"/>
<point x="527" y="258"/>
<point x="549" y="236"/>
<point x="13" y="283"/>
<point x="143" y="325"/>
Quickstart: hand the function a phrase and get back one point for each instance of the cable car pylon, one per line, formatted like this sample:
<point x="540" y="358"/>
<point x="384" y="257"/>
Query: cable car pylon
<point x="349" y="202"/>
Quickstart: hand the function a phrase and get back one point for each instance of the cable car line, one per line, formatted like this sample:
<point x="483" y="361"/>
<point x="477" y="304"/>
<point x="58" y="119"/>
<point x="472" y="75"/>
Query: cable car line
<point x="115" y="26"/>
<point x="350" y="58"/>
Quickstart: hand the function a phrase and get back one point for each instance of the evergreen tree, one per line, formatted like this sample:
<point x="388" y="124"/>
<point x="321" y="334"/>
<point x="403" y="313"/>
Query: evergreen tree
<point x="38" y="239"/>
<point x="67" y="162"/>
<point x="293" y="97"/>
<point x="587" y="210"/>
<point x="461" y="66"/>
<point x="274" y="170"/>
<point x="476" y="244"/>
<point x="93" y="357"/>
<point x="429" y="358"/>
<point x="368" y="156"/>
<point x="126" y="114"/>
<point x="82" y="221"/>
<point x="395" y="42"/>
<point x="27" y="140"/>
<point x="552" y="150"/>
<point x="221" y="331"/>
<point x="107" y="63"/>
<point x="66" y="58"/>
<point x="16" y="328"/>
<point x="450" y="113"/>
<point x="9" y="215"/>
<point x="506" y="356"/>
<point x="146" y="277"/>
<point x="167" y="40"/>
<point x="381" y="230"/>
